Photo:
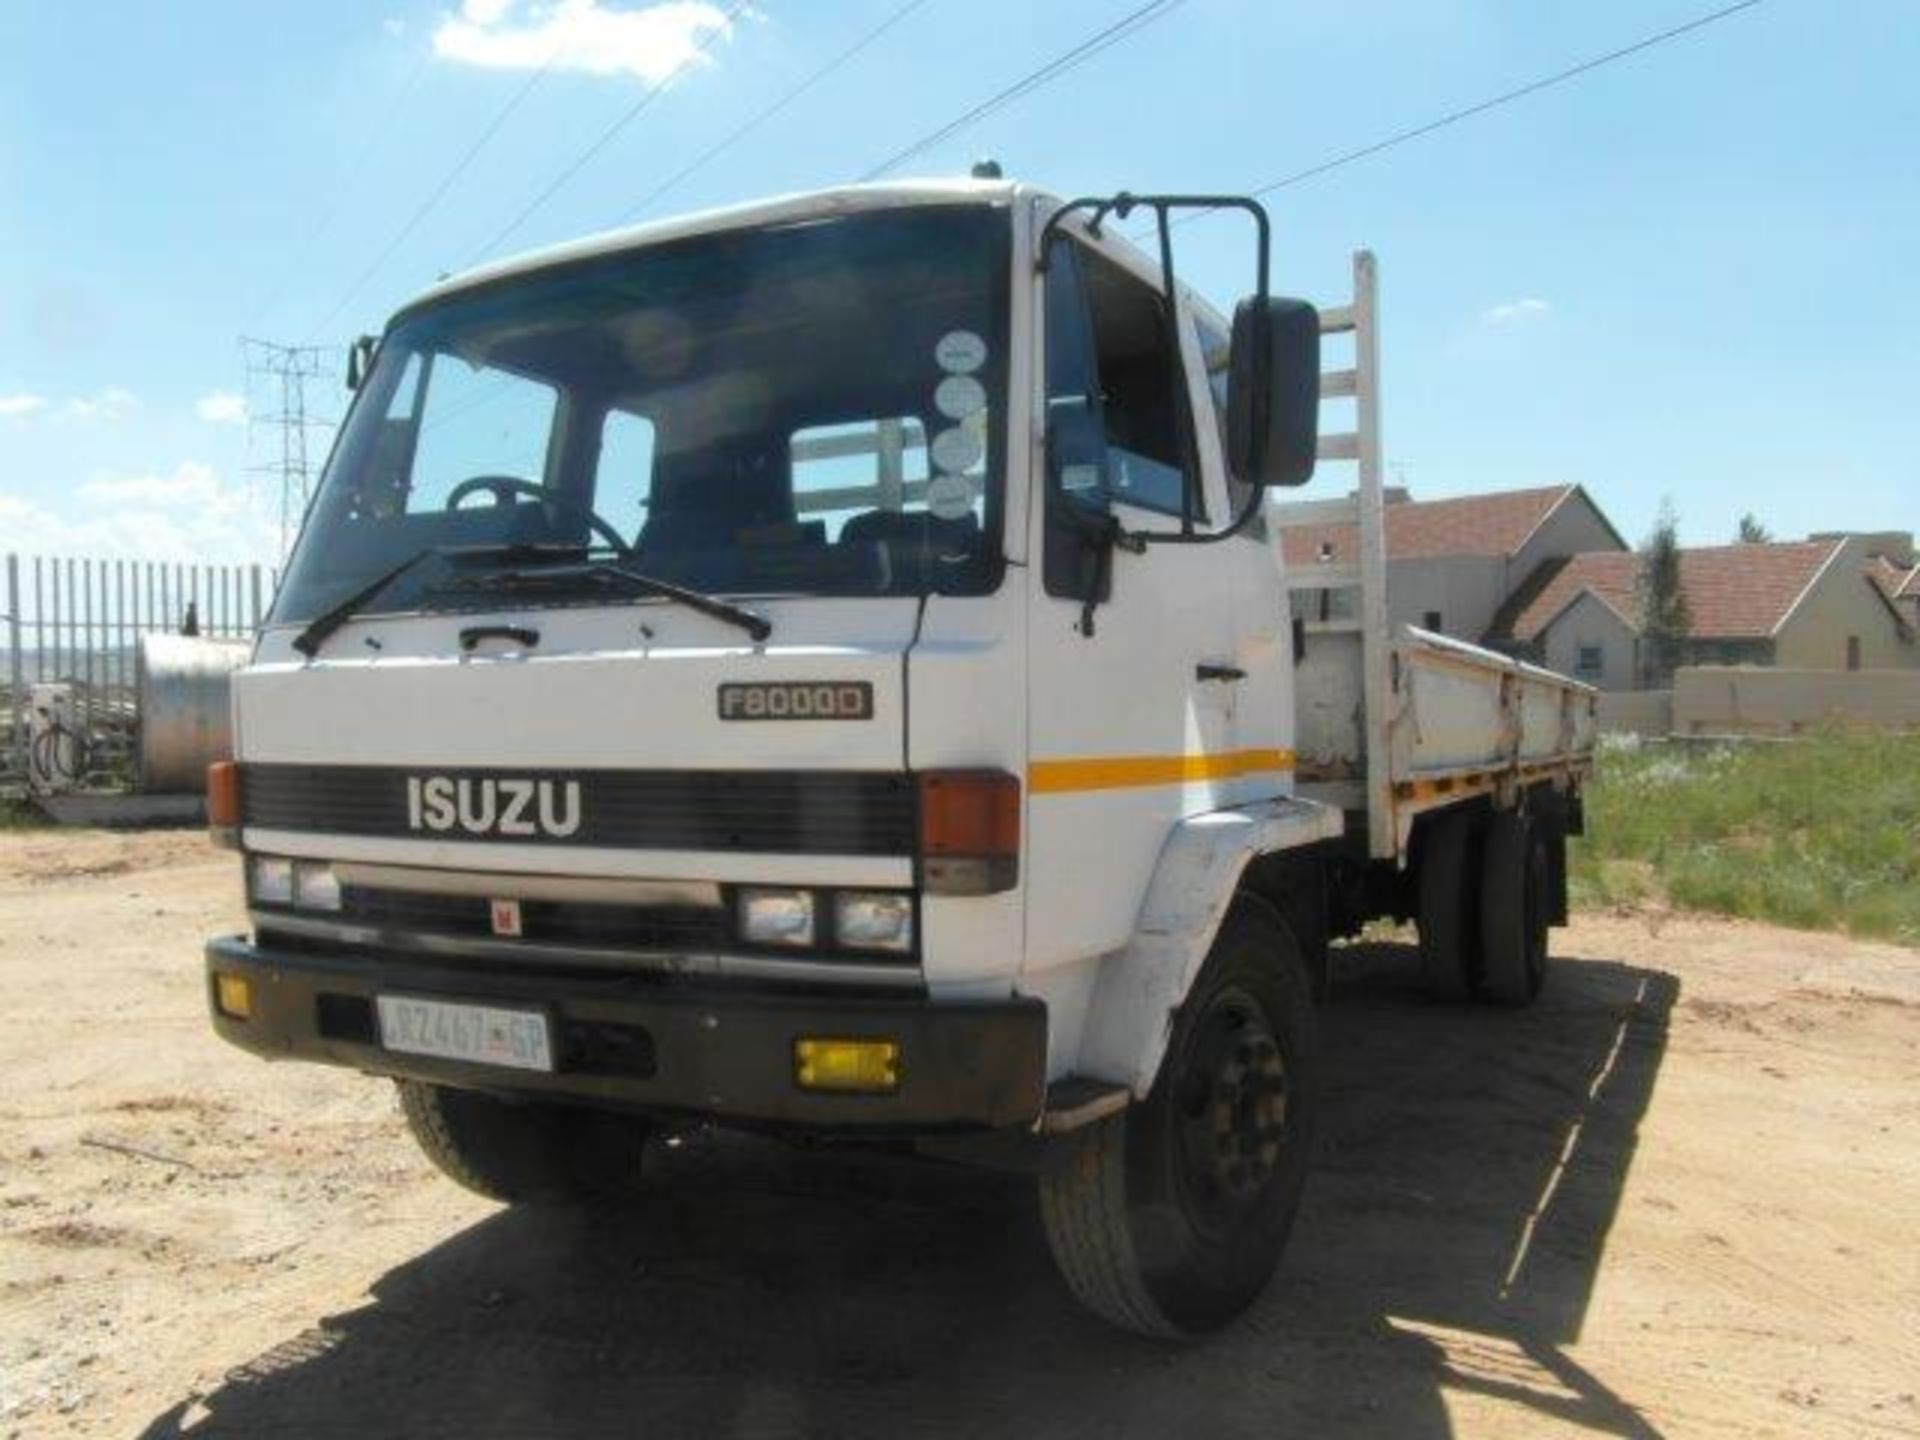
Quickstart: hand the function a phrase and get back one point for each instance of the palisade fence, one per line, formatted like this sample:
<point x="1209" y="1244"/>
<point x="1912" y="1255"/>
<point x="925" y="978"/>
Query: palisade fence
<point x="79" y="621"/>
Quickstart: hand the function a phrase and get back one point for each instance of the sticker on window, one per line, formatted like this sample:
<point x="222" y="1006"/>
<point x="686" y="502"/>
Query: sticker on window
<point x="950" y="496"/>
<point x="957" y="448"/>
<point x="960" y="352"/>
<point x="959" y="396"/>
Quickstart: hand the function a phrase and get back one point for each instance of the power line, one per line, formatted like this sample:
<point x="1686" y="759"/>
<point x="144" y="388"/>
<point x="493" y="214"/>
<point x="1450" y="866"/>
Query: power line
<point x="427" y="206"/>
<point x="1130" y="24"/>
<point x="632" y="113"/>
<point x="361" y="155"/>
<point x="712" y="152"/>
<point x="1454" y="117"/>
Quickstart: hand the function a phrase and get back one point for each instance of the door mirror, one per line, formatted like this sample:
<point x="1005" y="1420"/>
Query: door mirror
<point x="1273" y="392"/>
<point x="359" y="361"/>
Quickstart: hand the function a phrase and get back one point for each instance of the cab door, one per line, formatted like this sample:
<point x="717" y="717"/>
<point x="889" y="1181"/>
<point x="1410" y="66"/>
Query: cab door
<point x="1133" y="672"/>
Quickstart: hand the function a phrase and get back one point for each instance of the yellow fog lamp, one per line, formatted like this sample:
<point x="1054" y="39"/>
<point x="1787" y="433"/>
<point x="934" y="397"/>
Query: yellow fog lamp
<point x="233" y="996"/>
<point x="870" y="1067"/>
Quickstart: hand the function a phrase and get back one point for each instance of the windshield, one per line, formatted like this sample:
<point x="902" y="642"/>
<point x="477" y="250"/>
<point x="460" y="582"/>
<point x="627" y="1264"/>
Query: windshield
<point x="809" y="409"/>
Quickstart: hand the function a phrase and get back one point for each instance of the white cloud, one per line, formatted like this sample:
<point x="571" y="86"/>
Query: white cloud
<point x="1509" y="312"/>
<point x="19" y="406"/>
<point x="650" y="42"/>
<point x="221" y="407"/>
<point x="108" y="405"/>
<point x="189" y="513"/>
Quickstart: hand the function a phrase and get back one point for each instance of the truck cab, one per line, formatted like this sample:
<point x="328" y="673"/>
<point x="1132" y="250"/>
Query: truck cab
<point x="819" y="666"/>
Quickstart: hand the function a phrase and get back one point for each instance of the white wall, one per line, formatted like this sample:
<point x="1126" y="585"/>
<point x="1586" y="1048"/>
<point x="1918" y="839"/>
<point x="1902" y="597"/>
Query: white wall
<point x="1465" y="589"/>
<point x="1589" y="622"/>
<point x="1738" y="700"/>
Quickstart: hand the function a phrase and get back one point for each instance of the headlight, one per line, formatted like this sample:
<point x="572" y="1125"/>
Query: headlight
<point x="314" y="887"/>
<point x="776" y="917"/>
<point x="271" y="879"/>
<point x="864" y="920"/>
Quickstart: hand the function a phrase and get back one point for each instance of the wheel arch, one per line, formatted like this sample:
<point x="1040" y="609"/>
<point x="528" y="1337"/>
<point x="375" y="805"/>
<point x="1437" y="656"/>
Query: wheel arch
<point x="1263" y="849"/>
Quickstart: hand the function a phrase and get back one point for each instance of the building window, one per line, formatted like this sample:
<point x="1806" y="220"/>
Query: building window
<point x="1853" y="652"/>
<point x="1590" y="662"/>
<point x="1432" y="621"/>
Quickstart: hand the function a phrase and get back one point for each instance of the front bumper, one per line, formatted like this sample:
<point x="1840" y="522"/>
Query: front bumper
<point x="631" y="1040"/>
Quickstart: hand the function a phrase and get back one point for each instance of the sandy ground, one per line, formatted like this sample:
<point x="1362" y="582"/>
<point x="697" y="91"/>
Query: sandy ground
<point x="1681" y="1196"/>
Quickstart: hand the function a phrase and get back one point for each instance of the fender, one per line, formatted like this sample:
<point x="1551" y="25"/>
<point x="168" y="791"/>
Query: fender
<point x="1131" y="1014"/>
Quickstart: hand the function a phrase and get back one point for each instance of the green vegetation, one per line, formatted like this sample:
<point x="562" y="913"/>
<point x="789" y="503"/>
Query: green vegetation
<point x="1821" y="833"/>
<point x="19" y="815"/>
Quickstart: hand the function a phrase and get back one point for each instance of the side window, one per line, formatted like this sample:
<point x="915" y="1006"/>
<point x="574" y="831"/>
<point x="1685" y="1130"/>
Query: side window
<point x="1589" y="662"/>
<point x="858" y="468"/>
<point x="477" y="422"/>
<point x="623" y="479"/>
<point x="1114" y="432"/>
<point x="1142" y="417"/>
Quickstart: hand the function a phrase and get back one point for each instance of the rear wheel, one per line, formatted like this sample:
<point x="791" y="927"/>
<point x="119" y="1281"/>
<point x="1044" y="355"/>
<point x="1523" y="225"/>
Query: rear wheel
<point x="510" y="1151"/>
<point x="1170" y="1218"/>
<point x="1449" y="907"/>
<point x="1516" y="903"/>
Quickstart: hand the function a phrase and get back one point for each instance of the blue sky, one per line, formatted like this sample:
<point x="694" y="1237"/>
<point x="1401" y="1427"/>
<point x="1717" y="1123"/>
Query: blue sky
<point x="1689" y="274"/>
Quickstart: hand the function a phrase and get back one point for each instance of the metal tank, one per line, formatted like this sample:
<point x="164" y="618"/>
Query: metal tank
<point x="186" y="720"/>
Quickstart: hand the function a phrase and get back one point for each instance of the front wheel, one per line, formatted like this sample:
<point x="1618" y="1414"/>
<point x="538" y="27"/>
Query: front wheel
<point x="1169" y="1219"/>
<point x="507" y="1150"/>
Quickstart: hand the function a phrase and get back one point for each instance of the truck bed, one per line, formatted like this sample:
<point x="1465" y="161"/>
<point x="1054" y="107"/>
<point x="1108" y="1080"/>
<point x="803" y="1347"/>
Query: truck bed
<point x="1460" y="721"/>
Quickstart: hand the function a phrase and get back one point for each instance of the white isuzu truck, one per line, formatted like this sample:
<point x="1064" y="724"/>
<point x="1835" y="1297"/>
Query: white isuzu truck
<point x="828" y="667"/>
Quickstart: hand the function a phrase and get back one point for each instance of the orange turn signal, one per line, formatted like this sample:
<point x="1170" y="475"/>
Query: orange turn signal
<point x="969" y="831"/>
<point x="223" y="803"/>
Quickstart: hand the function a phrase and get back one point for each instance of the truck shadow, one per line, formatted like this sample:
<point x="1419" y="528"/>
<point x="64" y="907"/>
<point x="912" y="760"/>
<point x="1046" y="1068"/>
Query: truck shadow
<point x="1471" y="1165"/>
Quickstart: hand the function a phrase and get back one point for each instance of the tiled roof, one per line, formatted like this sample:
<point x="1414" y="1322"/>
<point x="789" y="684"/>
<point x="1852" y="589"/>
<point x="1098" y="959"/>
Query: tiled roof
<point x="1733" y="591"/>
<point x="1497" y="524"/>
<point x="1886" y="576"/>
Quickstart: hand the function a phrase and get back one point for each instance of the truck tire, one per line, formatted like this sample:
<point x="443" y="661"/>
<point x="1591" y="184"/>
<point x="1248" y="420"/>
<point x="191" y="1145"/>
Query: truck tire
<point x="1449" y="908"/>
<point x="1516" y="902"/>
<point x="1169" y="1218"/>
<point x="509" y="1151"/>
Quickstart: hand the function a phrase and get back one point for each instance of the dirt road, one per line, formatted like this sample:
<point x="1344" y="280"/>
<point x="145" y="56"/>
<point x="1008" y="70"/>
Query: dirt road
<point x="1682" y="1196"/>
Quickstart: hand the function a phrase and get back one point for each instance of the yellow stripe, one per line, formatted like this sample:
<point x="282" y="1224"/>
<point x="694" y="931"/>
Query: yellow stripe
<point x="1121" y="772"/>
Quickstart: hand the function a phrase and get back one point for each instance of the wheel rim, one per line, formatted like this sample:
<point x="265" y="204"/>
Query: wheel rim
<point x="1232" y="1107"/>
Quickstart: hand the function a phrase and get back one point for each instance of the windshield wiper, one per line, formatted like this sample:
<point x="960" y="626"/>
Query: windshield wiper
<point x="611" y="572"/>
<point x="309" y="640"/>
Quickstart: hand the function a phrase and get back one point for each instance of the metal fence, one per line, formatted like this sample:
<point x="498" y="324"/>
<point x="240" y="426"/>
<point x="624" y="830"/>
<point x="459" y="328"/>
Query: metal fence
<point x="79" y="621"/>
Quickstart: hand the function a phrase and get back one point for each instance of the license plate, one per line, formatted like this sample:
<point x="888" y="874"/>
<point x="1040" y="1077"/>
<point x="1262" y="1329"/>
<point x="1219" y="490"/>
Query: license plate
<point x="483" y="1034"/>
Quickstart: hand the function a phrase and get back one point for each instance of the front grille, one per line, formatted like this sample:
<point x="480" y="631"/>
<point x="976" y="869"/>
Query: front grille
<point x="808" y="812"/>
<point x="554" y="922"/>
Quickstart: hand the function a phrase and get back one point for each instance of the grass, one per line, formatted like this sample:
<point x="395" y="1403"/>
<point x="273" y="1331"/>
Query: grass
<point x="17" y="814"/>
<point x="1821" y="833"/>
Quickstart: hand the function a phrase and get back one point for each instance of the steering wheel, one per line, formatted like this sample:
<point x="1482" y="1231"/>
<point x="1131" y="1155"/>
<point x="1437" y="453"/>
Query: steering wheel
<point x="505" y="488"/>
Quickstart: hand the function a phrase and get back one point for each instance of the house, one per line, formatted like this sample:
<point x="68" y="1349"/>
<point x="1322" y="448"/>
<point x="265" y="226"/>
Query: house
<point x="1452" y="564"/>
<point x="1901" y="585"/>
<point x="1829" y="603"/>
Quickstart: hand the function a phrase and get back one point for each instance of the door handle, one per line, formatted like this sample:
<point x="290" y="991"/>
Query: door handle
<point x="519" y="634"/>
<point x="1226" y="674"/>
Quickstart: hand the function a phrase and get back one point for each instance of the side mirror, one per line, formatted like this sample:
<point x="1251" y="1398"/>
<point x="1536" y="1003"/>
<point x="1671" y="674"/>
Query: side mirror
<point x="360" y="360"/>
<point x="1273" y="392"/>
